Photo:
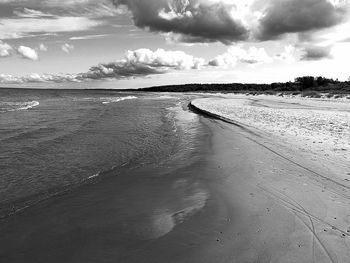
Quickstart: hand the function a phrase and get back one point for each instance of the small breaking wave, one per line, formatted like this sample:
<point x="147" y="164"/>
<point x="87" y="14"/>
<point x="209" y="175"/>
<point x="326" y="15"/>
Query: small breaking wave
<point x="94" y="176"/>
<point x="17" y="106"/>
<point x="107" y="100"/>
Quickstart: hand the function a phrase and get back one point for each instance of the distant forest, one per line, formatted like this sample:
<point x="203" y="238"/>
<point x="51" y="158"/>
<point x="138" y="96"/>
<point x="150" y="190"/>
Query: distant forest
<point x="307" y="86"/>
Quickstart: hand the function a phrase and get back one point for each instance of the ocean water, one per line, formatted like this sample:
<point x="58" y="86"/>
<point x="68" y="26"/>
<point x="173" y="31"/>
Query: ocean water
<point x="53" y="140"/>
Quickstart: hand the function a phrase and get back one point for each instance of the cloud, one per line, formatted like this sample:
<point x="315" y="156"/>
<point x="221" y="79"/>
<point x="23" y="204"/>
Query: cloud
<point x="29" y="21"/>
<point x="31" y="13"/>
<point x="316" y="53"/>
<point x="23" y="51"/>
<point x="144" y="62"/>
<point x="237" y="54"/>
<point x="196" y="20"/>
<point x="89" y="37"/>
<point x="137" y="63"/>
<point x="188" y="21"/>
<point x="67" y="47"/>
<point x="38" y="78"/>
<point x="345" y="40"/>
<point x="5" y="49"/>
<point x="42" y="47"/>
<point x="28" y="53"/>
<point x="87" y="8"/>
<point x="304" y="52"/>
<point x="289" y="55"/>
<point x="296" y="16"/>
<point x="229" y="21"/>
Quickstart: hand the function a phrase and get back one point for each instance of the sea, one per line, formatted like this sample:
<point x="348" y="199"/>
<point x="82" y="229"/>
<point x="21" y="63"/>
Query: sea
<point x="52" y="141"/>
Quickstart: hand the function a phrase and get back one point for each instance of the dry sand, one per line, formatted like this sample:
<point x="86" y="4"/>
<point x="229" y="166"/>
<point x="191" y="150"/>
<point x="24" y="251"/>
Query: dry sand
<point x="319" y="127"/>
<point x="247" y="198"/>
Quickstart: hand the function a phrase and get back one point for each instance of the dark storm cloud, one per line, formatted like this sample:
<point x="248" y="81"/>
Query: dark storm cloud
<point x="297" y="16"/>
<point x="316" y="53"/>
<point x="191" y="21"/>
<point x="196" y="20"/>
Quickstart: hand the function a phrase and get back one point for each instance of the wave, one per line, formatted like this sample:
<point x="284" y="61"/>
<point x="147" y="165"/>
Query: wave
<point x="107" y="100"/>
<point x="17" y="106"/>
<point x="94" y="176"/>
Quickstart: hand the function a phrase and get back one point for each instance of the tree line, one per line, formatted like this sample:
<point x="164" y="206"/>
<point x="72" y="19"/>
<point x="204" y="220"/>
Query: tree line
<point x="299" y="85"/>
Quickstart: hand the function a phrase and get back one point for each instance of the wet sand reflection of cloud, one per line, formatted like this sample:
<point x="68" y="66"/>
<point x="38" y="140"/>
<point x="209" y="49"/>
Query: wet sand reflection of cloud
<point x="183" y="200"/>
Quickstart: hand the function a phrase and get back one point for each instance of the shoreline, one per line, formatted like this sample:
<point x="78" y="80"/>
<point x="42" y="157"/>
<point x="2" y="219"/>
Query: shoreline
<point x="11" y="205"/>
<point x="138" y="207"/>
<point x="307" y="94"/>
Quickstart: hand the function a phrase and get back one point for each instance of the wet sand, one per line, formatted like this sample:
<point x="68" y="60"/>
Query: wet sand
<point x="246" y="198"/>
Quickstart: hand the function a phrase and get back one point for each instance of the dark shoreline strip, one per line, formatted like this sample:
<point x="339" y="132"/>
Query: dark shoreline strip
<point x="218" y="117"/>
<point x="212" y="115"/>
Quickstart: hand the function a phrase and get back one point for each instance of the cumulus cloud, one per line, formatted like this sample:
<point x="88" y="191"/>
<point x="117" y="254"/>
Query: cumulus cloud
<point x="237" y="54"/>
<point x="5" y="49"/>
<point x="231" y="21"/>
<point x="196" y="20"/>
<point x="316" y="53"/>
<point x="143" y="62"/>
<point x="296" y="16"/>
<point x="293" y="53"/>
<point x="137" y="63"/>
<point x="28" y="53"/>
<point x="67" y="47"/>
<point x="190" y="21"/>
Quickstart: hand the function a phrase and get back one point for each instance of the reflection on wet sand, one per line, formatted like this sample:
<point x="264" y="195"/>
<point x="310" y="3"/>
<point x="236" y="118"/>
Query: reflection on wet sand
<point x="167" y="208"/>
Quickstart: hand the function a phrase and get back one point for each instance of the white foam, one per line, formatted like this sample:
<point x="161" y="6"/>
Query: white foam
<point x="29" y="105"/>
<point x="94" y="176"/>
<point x="107" y="100"/>
<point x="17" y="106"/>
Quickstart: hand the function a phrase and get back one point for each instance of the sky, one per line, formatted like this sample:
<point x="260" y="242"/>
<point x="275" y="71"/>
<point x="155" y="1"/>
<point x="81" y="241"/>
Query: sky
<point x="139" y="43"/>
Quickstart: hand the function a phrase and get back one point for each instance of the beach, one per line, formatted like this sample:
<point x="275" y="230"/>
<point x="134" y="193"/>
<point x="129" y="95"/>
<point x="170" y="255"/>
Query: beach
<point x="293" y="204"/>
<point x="174" y="131"/>
<point x="243" y="196"/>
